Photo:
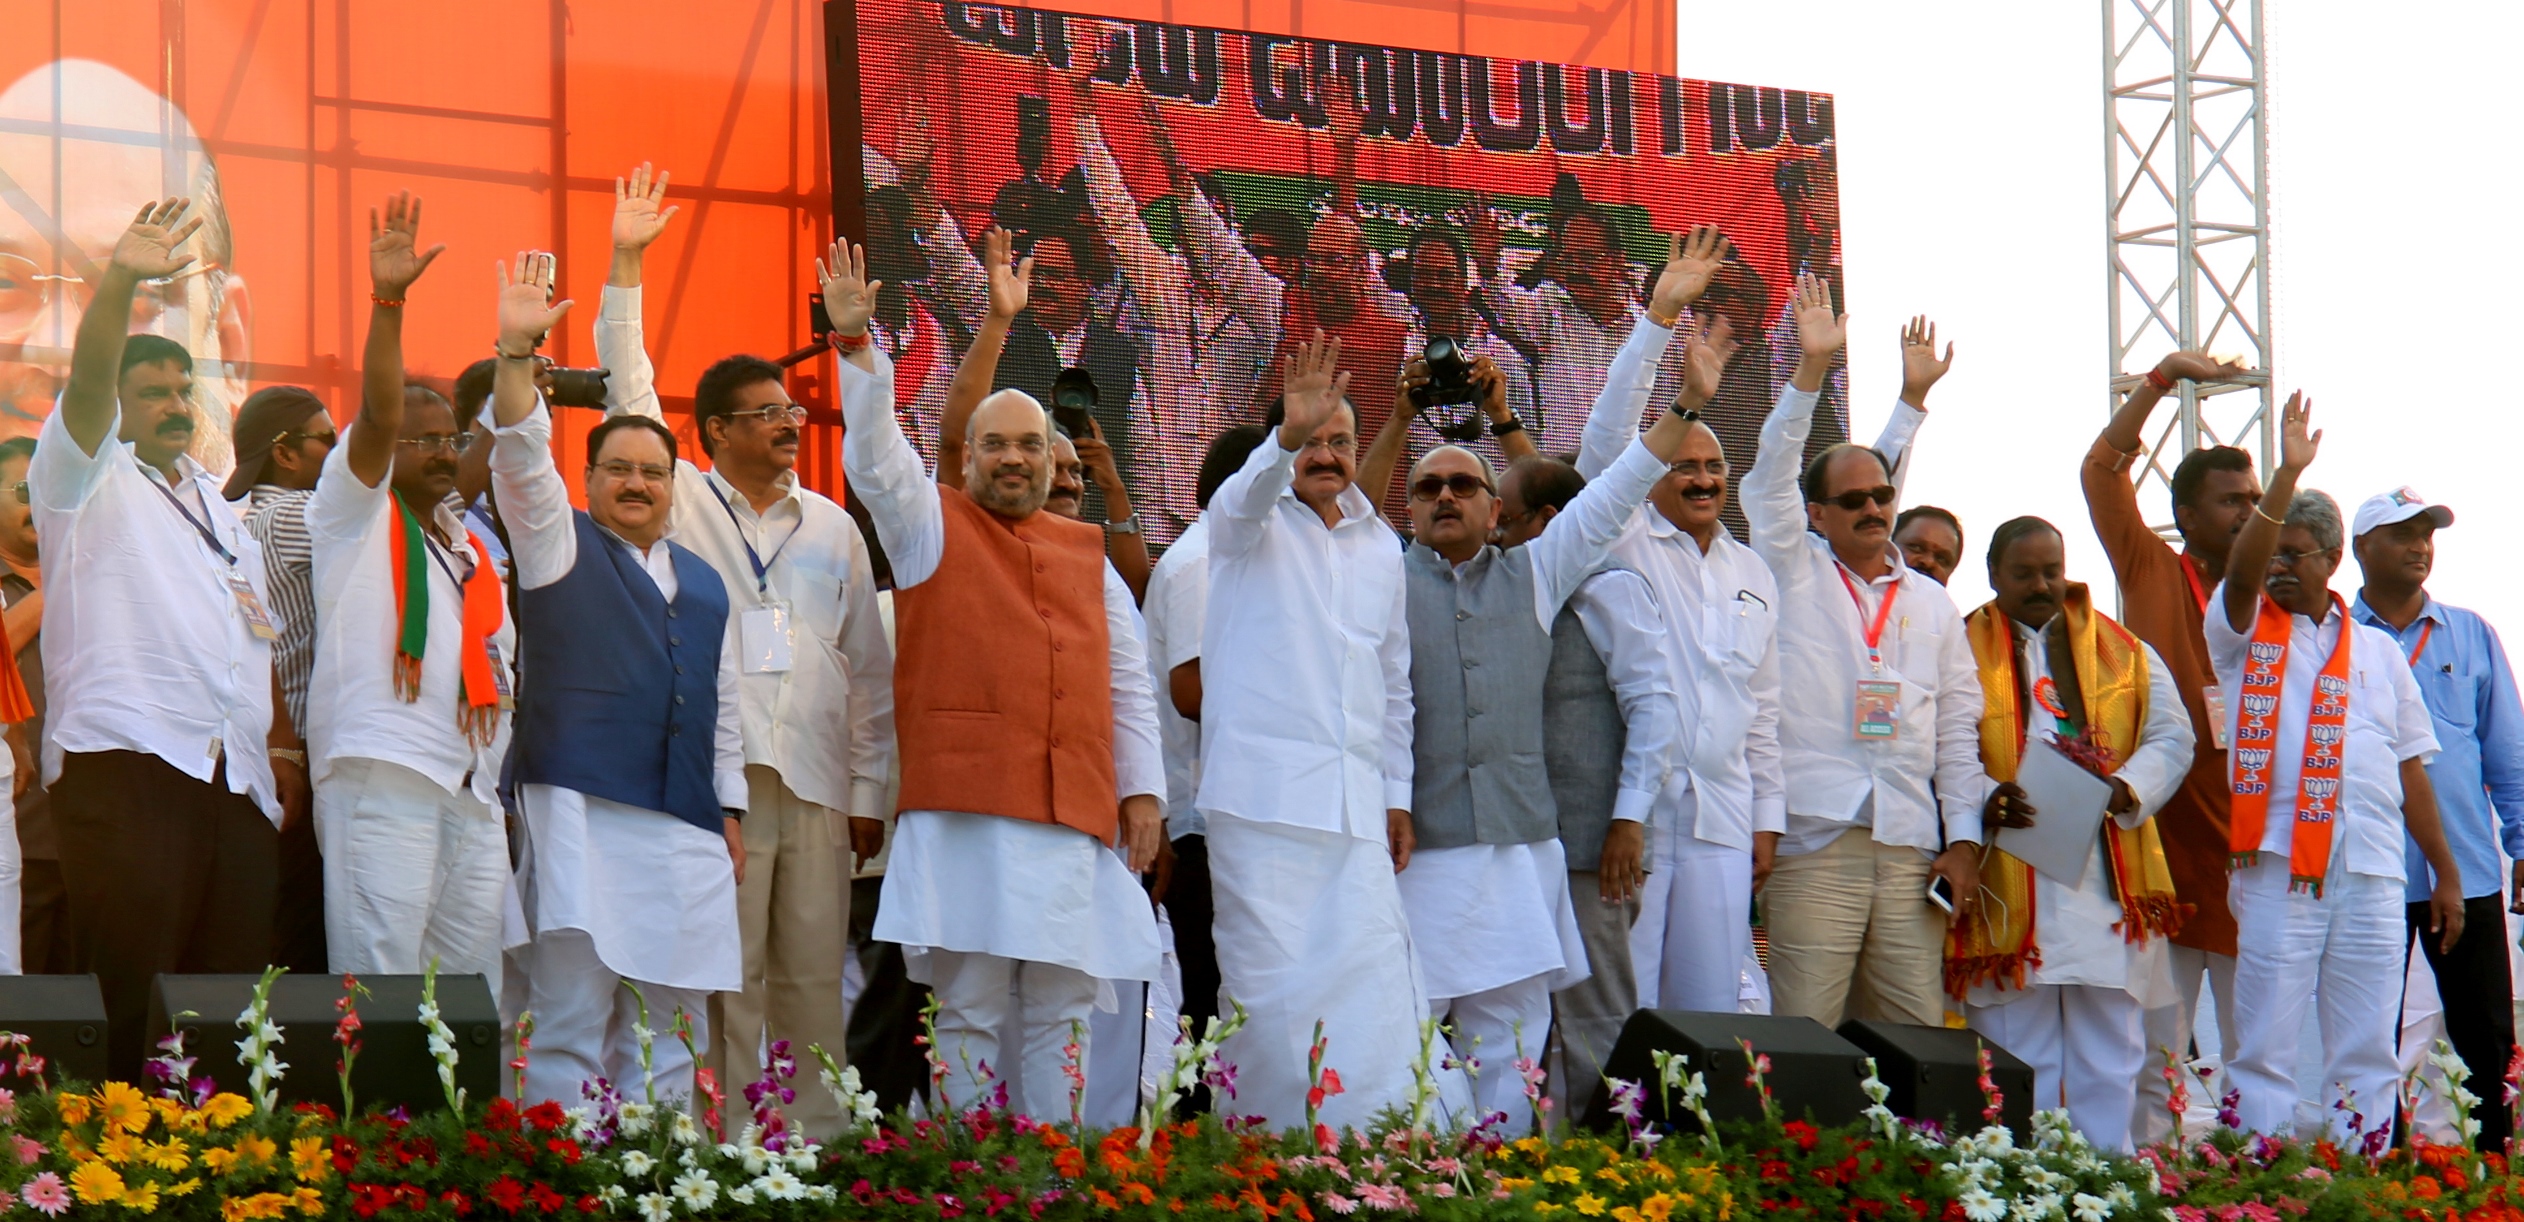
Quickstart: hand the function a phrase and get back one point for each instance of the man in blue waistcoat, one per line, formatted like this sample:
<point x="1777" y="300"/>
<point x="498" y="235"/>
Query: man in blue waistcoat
<point x="629" y="764"/>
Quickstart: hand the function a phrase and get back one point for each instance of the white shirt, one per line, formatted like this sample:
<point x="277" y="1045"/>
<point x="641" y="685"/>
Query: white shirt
<point x="902" y="500"/>
<point x="1178" y="602"/>
<point x="2073" y="926"/>
<point x="1834" y="779"/>
<point x="1641" y="655"/>
<point x="1305" y="658"/>
<point x="825" y="724"/>
<point x="352" y="709"/>
<point x="1725" y="603"/>
<point x="145" y="647"/>
<point x="2388" y="723"/>
<point x="544" y="548"/>
<point x="1573" y="356"/>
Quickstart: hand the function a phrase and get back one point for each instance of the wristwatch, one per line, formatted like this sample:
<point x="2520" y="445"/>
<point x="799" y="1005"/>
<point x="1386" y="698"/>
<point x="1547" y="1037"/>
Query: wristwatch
<point x="733" y="814"/>
<point x="295" y="755"/>
<point x="1501" y="428"/>
<point x="1127" y="526"/>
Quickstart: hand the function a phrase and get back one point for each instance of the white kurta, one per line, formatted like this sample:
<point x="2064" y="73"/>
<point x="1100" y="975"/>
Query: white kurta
<point x="985" y="884"/>
<point x="655" y="894"/>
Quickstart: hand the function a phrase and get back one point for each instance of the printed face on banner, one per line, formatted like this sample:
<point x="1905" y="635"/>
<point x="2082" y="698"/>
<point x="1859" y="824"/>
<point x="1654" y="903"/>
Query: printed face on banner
<point x="1212" y="198"/>
<point x="82" y="147"/>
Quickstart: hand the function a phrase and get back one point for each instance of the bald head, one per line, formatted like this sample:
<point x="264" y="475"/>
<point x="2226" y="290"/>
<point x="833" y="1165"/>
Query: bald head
<point x="1007" y="454"/>
<point x="1693" y="490"/>
<point x="1336" y="267"/>
<point x="1454" y="502"/>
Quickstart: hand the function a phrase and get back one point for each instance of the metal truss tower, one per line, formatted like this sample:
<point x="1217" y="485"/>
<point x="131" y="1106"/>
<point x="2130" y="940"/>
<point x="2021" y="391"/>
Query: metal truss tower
<point x="2188" y="213"/>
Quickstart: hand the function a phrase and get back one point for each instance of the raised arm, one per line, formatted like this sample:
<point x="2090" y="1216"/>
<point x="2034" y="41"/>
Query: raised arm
<point x="1310" y="393"/>
<point x="2111" y="496"/>
<point x="2249" y="560"/>
<point x="1156" y="279"/>
<point x="640" y="214"/>
<point x="1127" y="549"/>
<point x="532" y="499"/>
<point x="883" y="469"/>
<point x="1215" y="254"/>
<point x="1009" y="285"/>
<point x="146" y="251"/>
<point x="1773" y="505"/>
<point x="395" y="260"/>
<point x="1690" y="264"/>
<point x="1384" y="456"/>
<point x="1921" y="368"/>
<point x="1519" y="312"/>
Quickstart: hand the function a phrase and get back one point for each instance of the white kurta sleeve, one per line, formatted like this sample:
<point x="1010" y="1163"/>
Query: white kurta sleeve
<point x="622" y="348"/>
<point x="1240" y="511"/>
<point x="885" y="473"/>
<point x="1620" y="616"/>
<point x="727" y="769"/>
<point x="1250" y="289"/>
<point x="1894" y="443"/>
<point x="1962" y="787"/>
<point x="2155" y="771"/>
<point x="1395" y="653"/>
<point x="1614" y="421"/>
<point x="1573" y="544"/>
<point x="870" y="662"/>
<point x="1139" y="762"/>
<point x="542" y="541"/>
<point x="1774" y="507"/>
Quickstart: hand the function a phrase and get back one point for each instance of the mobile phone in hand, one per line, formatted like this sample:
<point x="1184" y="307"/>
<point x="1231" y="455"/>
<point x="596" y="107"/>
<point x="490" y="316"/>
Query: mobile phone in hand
<point x="1941" y="893"/>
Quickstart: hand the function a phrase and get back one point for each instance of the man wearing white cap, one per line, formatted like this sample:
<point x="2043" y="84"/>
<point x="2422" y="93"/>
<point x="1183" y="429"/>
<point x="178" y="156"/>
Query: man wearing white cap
<point x="2478" y="773"/>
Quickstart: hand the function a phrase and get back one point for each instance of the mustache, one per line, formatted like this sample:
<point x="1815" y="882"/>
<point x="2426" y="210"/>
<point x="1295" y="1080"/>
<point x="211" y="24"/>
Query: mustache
<point x="1703" y="489"/>
<point x="1869" y="520"/>
<point x="785" y="437"/>
<point x="630" y="497"/>
<point x="1325" y="468"/>
<point x="175" y="424"/>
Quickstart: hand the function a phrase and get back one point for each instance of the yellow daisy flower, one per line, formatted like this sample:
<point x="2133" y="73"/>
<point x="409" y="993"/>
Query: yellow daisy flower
<point x="1624" y="1213"/>
<point x="225" y="1109"/>
<point x="308" y="1159"/>
<point x="141" y="1197"/>
<point x="1657" y="1208"/>
<point x="1559" y="1175"/>
<point x="96" y="1184"/>
<point x="123" y="1107"/>
<point x="118" y="1147"/>
<point x="184" y="1187"/>
<point x="257" y="1149"/>
<point x="217" y="1160"/>
<point x="1546" y="1207"/>
<point x="169" y="1155"/>
<point x="74" y="1109"/>
<point x="1589" y="1204"/>
<point x="309" y="1201"/>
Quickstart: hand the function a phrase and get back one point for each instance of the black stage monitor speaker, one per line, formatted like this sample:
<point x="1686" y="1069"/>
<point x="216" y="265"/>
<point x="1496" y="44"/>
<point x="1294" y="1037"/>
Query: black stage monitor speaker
<point x="63" y="1018"/>
<point x="394" y="1066"/>
<point x="1934" y="1073"/>
<point x="1813" y="1073"/>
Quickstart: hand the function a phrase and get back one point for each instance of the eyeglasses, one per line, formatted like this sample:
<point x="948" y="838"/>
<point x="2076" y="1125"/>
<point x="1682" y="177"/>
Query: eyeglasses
<point x="778" y="413"/>
<point x="1338" y="445"/>
<point x="1463" y="486"/>
<point x="447" y="443"/>
<point x="19" y="491"/>
<point x="621" y="470"/>
<point x="1693" y="466"/>
<point x="1858" y="498"/>
<point x="2289" y="559"/>
<point x="299" y="435"/>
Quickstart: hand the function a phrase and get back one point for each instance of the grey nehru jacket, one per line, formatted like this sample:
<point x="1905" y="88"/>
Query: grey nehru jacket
<point x="1479" y="657"/>
<point x="1583" y="736"/>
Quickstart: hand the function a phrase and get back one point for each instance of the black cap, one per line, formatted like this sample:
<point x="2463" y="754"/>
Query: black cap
<point x="266" y="414"/>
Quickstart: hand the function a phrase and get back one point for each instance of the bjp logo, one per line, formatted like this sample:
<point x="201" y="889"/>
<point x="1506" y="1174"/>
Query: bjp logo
<point x="2268" y="654"/>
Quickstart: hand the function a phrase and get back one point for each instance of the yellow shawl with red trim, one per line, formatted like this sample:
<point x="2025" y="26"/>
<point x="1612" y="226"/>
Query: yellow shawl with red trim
<point x="1997" y="943"/>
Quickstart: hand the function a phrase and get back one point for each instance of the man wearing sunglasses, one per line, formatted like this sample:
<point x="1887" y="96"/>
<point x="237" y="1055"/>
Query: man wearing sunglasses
<point x="1489" y="903"/>
<point x="412" y="667"/>
<point x="815" y="677"/>
<point x="1879" y="719"/>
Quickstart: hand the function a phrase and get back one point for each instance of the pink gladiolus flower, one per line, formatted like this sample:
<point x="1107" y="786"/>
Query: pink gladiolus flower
<point x="47" y="1195"/>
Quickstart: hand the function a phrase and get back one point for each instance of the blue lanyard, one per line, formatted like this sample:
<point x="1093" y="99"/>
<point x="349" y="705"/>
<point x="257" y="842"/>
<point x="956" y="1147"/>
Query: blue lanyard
<point x="208" y="536"/>
<point x="762" y="567"/>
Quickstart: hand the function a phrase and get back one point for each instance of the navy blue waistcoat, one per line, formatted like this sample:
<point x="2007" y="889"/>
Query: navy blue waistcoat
<point x="620" y="698"/>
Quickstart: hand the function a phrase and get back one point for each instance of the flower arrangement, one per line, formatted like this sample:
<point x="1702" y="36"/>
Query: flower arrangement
<point x="185" y="1152"/>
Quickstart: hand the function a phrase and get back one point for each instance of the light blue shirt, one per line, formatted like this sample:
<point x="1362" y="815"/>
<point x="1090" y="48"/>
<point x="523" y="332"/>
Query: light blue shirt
<point x="2478" y="772"/>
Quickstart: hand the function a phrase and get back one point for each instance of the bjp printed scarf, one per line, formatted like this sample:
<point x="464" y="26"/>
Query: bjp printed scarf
<point x="2257" y="740"/>
<point x="2101" y="720"/>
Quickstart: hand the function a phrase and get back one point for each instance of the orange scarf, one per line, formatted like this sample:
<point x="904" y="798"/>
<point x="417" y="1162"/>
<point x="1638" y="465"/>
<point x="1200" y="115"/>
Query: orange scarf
<point x="478" y="696"/>
<point x="2257" y="740"/>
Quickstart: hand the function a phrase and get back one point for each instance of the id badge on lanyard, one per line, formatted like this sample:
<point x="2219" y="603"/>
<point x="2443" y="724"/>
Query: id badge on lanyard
<point x="1876" y="704"/>
<point x="250" y="605"/>
<point x="768" y="636"/>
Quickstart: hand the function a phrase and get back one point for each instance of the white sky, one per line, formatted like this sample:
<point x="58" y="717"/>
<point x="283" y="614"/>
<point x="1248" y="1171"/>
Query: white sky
<point x="1972" y="190"/>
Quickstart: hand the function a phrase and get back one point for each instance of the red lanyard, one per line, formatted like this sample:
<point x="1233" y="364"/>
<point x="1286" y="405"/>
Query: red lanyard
<point x="1883" y="611"/>
<point x="2422" y="646"/>
<point x="2192" y="576"/>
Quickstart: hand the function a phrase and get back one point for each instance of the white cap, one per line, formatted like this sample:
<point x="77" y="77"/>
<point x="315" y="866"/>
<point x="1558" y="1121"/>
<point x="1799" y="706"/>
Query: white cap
<point x="2398" y="505"/>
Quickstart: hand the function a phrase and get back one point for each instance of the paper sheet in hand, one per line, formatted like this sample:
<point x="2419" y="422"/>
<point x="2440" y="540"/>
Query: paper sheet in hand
<point x="2068" y="806"/>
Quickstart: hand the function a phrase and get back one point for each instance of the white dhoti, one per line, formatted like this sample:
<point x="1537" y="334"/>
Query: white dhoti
<point x="2083" y="1042"/>
<point x="2341" y="953"/>
<point x="2169" y="1030"/>
<point x="1692" y="946"/>
<point x="1310" y="928"/>
<point x="412" y="873"/>
<point x="1013" y="922"/>
<point x="1496" y="936"/>
<point x="613" y="895"/>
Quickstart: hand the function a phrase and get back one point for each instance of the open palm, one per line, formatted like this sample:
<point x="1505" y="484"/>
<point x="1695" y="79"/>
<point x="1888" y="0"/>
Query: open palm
<point x="1693" y="262"/>
<point x="395" y="258"/>
<point x="150" y="247"/>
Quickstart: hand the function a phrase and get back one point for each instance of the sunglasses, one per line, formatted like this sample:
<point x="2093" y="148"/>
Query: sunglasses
<point x="1463" y="486"/>
<point x="1858" y="498"/>
<point x="19" y="491"/>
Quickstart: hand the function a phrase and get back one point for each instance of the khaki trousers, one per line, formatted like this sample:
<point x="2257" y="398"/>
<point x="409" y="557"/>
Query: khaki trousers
<point x="790" y="913"/>
<point x="1852" y="934"/>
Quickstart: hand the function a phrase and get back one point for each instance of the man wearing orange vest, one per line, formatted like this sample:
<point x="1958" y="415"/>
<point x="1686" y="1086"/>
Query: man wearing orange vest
<point x="1028" y="733"/>
<point x="2331" y="744"/>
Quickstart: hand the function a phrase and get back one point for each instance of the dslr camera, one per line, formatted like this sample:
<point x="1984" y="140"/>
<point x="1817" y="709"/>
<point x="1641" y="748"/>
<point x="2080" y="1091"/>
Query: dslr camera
<point x="1449" y="385"/>
<point x="1074" y="397"/>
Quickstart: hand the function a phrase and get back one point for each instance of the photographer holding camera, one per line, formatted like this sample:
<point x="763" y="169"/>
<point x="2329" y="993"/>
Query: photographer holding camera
<point x="1442" y="378"/>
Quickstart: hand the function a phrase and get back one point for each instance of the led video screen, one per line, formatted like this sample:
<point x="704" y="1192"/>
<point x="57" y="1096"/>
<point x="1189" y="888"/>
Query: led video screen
<point x="1200" y="200"/>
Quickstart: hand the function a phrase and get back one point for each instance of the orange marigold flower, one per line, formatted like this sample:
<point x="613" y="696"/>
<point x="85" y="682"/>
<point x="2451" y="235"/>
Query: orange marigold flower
<point x="2425" y="1188"/>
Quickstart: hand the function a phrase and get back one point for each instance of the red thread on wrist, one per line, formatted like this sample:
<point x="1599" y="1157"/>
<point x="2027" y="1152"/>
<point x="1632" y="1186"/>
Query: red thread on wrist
<point x="2159" y="381"/>
<point x="397" y="303"/>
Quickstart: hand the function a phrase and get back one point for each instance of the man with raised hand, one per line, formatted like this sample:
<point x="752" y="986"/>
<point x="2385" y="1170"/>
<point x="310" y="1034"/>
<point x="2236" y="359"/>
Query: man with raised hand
<point x="411" y="682"/>
<point x="1878" y="727"/>
<point x="629" y="766"/>
<point x="2478" y="775"/>
<point x="1306" y="762"/>
<point x="2328" y="774"/>
<point x="157" y="663"/>
<point x="815" y="678"/>
<point x="1028" y="730"/>
<point x="2164" y="599"/>
<point x="2055" y="969"/>
<point x="1489" y="903"/>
